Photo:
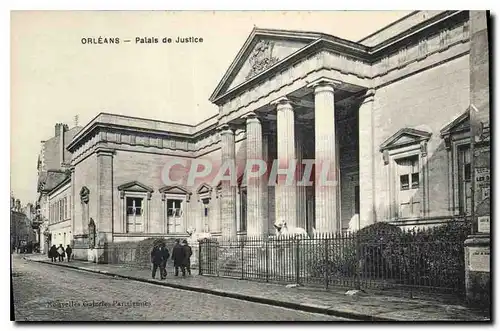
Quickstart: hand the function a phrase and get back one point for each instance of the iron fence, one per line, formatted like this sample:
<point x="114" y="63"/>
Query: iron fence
<point x="426" y="260"/>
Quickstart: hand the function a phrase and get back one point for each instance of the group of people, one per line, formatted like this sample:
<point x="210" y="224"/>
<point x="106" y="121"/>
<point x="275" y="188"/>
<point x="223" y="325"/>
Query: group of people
<point x="59" y="253"/>
<point x="181" y="255"/>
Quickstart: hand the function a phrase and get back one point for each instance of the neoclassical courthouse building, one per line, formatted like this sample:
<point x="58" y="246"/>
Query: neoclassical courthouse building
<point x="390" y="111"/>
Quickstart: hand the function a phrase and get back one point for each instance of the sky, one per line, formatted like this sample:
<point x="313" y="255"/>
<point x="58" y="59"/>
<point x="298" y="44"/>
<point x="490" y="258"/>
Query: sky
<point x="54" y="76"/>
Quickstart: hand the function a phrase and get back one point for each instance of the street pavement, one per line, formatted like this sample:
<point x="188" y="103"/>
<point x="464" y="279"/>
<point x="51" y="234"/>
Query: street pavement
<point x="44" y="292"/>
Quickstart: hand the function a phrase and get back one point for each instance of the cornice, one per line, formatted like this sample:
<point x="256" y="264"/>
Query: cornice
<point x="349" y="49"/>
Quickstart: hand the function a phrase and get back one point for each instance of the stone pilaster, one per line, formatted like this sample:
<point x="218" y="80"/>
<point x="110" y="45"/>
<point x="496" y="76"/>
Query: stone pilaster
<point x="286" y="193"/>
<point x="256" y="222"/>
<point x="104" y="190"/>
<point x="326" y="172"/>
<point x="228" y="198"/>
<point x="104" y="221"/>
<point x="366" y="161"/>
<point x="72" y="204"/>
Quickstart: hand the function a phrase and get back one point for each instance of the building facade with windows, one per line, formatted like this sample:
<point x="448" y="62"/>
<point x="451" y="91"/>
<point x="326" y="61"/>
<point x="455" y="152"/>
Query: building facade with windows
<point x="390" y="113"/>
<point x="53" y="168"/>
<point x="59" y="222"/>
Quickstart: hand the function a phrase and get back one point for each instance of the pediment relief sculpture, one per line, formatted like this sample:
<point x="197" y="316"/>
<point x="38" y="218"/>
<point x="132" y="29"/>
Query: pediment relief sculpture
<point x="261" y="58"/>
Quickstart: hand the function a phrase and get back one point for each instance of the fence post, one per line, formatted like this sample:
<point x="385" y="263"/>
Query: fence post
<point x="242" y="262"/>
<point x="297" y="263"/>
<point x="358" y="261"/>
<point x="326" y="262"/>
<point x="267" y="260"/>
<point x="199" y="258"/>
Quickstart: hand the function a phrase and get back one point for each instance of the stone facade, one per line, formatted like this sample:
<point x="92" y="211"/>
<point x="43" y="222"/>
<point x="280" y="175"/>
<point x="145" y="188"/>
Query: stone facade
<point x="379" y="112"/>
<point x="60" y="212"/>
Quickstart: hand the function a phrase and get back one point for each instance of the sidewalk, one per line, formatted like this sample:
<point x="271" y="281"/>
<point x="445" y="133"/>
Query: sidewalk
<point x="368" y="307"/>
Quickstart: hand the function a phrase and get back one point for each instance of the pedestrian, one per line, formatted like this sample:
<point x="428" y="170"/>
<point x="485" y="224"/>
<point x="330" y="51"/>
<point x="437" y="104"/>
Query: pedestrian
<point x="165" y="254"/>
<point x="69" y="251"/>
<point x="53" y="253"/>
<point x="186" y="264"/>
<point x="158" y="254"/>
<point x="60" y="252"/>
<point x="177" y="256"/>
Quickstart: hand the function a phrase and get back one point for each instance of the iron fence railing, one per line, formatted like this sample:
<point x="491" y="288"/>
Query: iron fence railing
<point x="411" y="260"/>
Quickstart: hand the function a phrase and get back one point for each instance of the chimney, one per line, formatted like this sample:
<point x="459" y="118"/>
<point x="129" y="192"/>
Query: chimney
<point x="57" y="129"/>
<point x="62" y="128"/>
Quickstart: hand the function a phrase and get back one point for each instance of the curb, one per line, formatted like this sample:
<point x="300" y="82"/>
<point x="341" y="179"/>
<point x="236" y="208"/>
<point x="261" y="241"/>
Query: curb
<point x="311" y="308"/>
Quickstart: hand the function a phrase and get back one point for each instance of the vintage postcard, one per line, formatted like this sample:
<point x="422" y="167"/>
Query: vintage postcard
<point x="250" y="166"/>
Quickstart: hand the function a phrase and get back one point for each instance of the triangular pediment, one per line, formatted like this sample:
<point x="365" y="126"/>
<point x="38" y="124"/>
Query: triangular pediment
<point x="403" y="137"/>
<point x="204" y="189"/>
<point x="175" y="189"/>
<point x="263" y="49"/>
<point x="135" y="187"/>
<point x="460" y="124"/>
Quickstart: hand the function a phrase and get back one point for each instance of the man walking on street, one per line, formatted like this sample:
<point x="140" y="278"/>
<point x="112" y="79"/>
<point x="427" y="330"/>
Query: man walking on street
<point x="53" y="253"/>
<point x="69" y="251"/>
<point x="177" y="256"/>
<point x="60" y="252"/>
<point x="165" y="254"/>
<point x="157" y="260"/>
<point x="186" y="265"/>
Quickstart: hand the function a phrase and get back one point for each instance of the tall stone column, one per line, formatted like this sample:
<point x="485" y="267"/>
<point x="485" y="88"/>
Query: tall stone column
<point x="366" y="161"/>
<point x="326" y="169"/>
<point x="286" y="193"/>
<point x="228" y="198"/>
<point x="266" y="195"/>
<point x="301" y="190"/>
<point x="256" y="220"/>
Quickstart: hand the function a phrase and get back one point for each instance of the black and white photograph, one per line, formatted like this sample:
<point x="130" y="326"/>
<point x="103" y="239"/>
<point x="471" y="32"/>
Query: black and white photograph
<point x="250" y="166"/>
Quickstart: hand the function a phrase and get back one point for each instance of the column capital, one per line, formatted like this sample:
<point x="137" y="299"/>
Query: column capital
<point x="282" y="103"/>
<point x="252" y="117"/>
<point x="324" y="84"/>
<point x="101" y="151"/>
<point x="367" y="96"/>
<point x="226" y="129"/>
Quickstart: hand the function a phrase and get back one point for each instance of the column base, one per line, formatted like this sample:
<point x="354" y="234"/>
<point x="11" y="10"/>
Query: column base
<point x="477" y="271"/>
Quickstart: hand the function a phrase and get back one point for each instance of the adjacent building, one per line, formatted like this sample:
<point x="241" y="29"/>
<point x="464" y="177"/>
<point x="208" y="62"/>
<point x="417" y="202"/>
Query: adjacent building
<point x="53" y="170"/>
<point x="390" y="113"/>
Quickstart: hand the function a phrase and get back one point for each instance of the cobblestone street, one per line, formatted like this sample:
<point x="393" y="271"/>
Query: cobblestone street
<point x="48" y="293"/>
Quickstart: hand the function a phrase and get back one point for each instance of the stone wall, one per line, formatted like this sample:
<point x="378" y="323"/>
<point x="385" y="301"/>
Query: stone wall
<point x="427" y="101"/>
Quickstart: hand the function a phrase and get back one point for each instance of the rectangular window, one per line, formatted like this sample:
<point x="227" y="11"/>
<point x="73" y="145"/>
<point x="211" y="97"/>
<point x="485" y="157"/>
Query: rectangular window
<point x="415" y="180"/>
<point x="66" y="208"/>
<point x="174" y="215"/>
<point x="464" y="179"/>
<point x="134" y="214"/>
<point x="134" y="206"/>
<point x="404" y="182"/>
<point x="409" y="184"/>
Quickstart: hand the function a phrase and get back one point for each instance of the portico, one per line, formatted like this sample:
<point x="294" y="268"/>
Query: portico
<point x="312" y="114"/>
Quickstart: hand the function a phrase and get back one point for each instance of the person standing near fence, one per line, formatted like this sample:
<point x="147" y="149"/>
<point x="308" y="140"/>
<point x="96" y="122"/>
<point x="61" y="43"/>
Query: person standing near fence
<point x="186" y="263"/>
<point x="177" y="256"/>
